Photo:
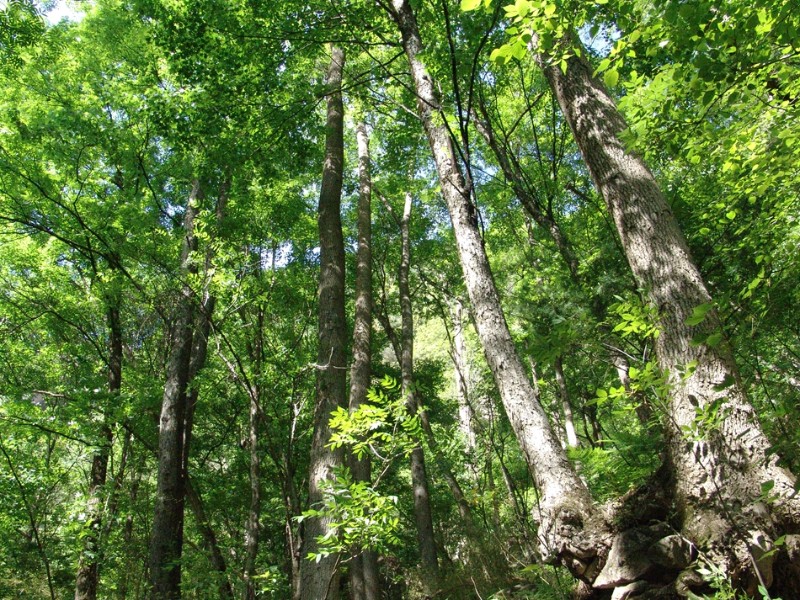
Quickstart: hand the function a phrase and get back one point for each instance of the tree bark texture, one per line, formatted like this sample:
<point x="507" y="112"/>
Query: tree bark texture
<point x="319" y="580"/>
<point x="363" y="566"/>
<point x="166" y="542"/>
<point x="88" y="576"/>
<point x="564" y="501"/>
<point x="717" y="471"/>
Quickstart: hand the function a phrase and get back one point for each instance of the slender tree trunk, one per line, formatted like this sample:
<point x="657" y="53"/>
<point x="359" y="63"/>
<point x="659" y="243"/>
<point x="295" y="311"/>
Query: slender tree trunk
<point x="319" y="580"/>
<point x="88" y="566"/>
<point x="566" y="407"/>
<point x="363" y="566"/>
<point x="717" y="472"/>
<point x="564" y="502"/>
<point x="166" y="543"/>
<point x="461" y="374"/>
<point x="251" y="537"/>
<point x="620" y="362"/>
<point x="419" y="478"/>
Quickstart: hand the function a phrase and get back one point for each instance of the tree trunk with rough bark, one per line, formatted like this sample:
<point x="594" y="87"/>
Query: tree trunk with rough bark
<point x="364" y="565"/>
<point x="166" y="542"/>
<point x="564" y="502"/>
<point x="715" y="472"/>
<point x="319" y="580"/>
<point x="88" y="576"/>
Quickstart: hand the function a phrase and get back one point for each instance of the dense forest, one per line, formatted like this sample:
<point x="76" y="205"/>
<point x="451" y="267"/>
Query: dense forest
<point x="400" y="299"/>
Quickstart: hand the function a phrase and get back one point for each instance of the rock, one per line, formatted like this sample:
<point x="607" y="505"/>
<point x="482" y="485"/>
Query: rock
<point x="687" y="581"/>
<point x="673" y="552"/>
<point x="627" y="561"/>
<point x="629" y="591"/>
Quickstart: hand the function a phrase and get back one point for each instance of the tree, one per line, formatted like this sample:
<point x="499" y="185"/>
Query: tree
<point x="319" y="574"/>
<point x="710" y="462"/>
<point x="564" y="499"/>
<point x="363" y="568"/>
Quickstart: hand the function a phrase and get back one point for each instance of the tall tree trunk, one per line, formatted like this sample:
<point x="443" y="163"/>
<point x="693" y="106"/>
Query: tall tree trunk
<point x="166" y="543"/>
<point x="88" y="566"/>
<point x="363" y="566"/>
<point x="319" y="580"/>
<point x="717" y="472"/>
<point x="565" y="503"/>
<point x="419" y="477"/>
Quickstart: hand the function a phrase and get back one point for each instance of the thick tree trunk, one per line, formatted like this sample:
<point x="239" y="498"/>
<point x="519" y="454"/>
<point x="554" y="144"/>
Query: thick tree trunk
<point x="88" y="566"/>
<point x="717" y="470"/>
<point x="166" y="543"/>
<point x="564" y="501"/>
<point x="363" y="566"/>
<point x="419" y="477"/>
<point x="319" y="580"/>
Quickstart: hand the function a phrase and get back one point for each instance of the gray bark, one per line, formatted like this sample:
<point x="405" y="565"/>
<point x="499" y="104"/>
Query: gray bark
<point x="319" y="580"/>
<point x="717" y="472"/>
<point x="461" y="375"/>
<point x="565" y="503"/>
<point x="364" y="565"/>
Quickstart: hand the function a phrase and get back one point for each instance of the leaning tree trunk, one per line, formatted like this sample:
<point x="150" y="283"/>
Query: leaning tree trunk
<point x="88" y="565"/>
<point x="716" y="471"/>
<point x="319" y="580"/>
<point x="419" y="477"/>
<point x="364" y="565"/>
<point x="565" y="505"/>
<point x="166" y="542"/>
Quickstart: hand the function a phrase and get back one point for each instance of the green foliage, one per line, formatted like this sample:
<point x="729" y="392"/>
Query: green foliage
<point x="621" y="462"/>
<point x="382" y="427"/>
<point x="358" y="518"/>
<point x="635" y="319"/>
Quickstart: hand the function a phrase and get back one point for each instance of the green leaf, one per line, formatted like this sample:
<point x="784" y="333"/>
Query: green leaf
<point x="467" y="5"/>
<point x="611" y="77"/>
<point x="699" y="314"/>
